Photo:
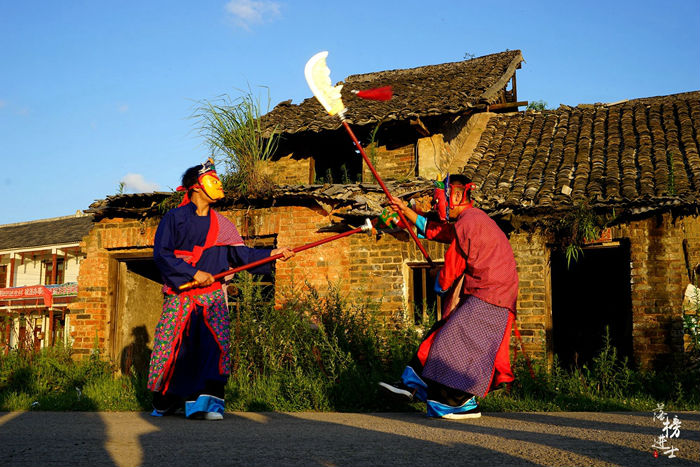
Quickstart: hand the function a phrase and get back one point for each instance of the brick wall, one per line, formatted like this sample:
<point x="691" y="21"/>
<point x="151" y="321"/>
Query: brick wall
<point x="391" y="164"/>
<point x="659" y="278"/>
<point x="534" y="318"/>
<point x="291" y="171"/>
<point x="378" y="269"/>
<point x="92" y="309"/>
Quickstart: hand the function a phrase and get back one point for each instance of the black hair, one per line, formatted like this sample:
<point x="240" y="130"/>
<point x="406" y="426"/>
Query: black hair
<point x="463" y="179"/>
<point x="191" y="177"/>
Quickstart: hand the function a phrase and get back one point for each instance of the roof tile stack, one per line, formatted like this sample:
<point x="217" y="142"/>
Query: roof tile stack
<point x="643" y="151"/>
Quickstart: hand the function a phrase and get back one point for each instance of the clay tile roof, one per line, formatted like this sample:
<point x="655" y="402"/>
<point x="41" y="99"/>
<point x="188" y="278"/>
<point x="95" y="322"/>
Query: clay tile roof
<point x="45" y="232"/>
<point x="642" y="152"/>
<point x="448" y="88"/>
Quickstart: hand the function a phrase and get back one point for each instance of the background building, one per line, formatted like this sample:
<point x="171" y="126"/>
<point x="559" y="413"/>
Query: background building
<point x="39" y="264"/>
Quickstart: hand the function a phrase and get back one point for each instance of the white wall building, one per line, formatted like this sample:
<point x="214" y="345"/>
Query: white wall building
<point x="39" y="264"/>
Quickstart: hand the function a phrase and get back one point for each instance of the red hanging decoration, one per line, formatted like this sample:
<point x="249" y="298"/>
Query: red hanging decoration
<point x="377" y="94"/>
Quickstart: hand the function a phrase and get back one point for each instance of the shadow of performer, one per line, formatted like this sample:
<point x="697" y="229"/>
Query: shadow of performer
<point x="136" y="356"/>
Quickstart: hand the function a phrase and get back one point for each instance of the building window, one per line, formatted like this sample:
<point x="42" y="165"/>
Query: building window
<point x="60" y="271"/>
<point x="426" y="304"/>
<point x="3" y="276"/>
<point x="257" y="287"/>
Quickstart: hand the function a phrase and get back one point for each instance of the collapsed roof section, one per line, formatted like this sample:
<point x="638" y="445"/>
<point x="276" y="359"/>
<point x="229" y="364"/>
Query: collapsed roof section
<point x="448" y="88"/>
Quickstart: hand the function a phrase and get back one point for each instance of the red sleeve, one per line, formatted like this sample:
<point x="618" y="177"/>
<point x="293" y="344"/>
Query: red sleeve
<point x="442" y="232"/>
<point x="455" y="265"/>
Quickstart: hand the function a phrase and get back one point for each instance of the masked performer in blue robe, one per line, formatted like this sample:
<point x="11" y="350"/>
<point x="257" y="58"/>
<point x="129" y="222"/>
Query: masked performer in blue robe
<point x="190" y="359"/>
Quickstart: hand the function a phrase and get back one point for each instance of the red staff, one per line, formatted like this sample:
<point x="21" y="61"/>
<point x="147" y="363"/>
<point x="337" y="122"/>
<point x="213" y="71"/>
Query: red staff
<point x="366" y="227"/>
<point x="318" y="77"/>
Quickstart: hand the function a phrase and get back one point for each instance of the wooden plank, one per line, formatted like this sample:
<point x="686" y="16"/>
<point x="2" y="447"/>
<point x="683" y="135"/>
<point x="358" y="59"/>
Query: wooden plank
<point x="506" y="105"/>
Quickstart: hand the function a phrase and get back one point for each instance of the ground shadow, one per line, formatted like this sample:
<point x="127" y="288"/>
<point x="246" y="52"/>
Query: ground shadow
<point x="53" y="438"/>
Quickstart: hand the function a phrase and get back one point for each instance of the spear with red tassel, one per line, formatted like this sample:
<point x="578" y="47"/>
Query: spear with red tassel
<point x="318" y="76"/>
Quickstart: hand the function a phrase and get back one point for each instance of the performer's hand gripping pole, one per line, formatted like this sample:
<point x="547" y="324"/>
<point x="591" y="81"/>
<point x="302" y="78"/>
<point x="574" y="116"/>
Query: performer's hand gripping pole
<point x="366" y="228"/>
<point x="386" y="192"/>
<point x="318" y="77"/>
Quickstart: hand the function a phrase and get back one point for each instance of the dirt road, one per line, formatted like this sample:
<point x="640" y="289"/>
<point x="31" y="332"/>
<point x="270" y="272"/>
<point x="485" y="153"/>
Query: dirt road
<point x="341" y="439"/>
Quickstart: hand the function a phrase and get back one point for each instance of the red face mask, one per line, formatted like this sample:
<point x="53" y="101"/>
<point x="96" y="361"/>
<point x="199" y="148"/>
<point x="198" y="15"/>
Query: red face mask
<point x="452" y="197"/>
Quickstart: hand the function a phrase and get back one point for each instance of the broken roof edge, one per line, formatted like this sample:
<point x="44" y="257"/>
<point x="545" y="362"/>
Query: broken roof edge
<point x="299" y="116"/>
<point x="502" y="82"/>
<point x="354" y="201"/>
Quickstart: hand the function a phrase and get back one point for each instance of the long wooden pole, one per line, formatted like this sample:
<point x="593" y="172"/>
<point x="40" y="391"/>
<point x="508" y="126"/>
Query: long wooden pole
<point x="259" y="262"/>
<point x="386" y="191"/>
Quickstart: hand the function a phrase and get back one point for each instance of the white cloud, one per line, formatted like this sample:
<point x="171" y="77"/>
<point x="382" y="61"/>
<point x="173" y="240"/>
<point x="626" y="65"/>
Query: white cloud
<point x="249" y="12"/>
<point x="135" y="183"/>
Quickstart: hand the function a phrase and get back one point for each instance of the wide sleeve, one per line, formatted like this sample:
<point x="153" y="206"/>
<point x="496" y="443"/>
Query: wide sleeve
<point x="455" y="265"/>
<point x="241" y="255"/>
<point x="175" y="271"/>
<point x="442" y="232"/>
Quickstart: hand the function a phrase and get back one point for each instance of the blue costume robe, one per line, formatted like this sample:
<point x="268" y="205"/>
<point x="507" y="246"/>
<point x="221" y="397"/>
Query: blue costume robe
<point x="190" y="359"/>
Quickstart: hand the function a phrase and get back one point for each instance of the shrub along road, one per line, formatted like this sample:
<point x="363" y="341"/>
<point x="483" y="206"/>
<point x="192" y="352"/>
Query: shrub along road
<point x="342" y="439"/>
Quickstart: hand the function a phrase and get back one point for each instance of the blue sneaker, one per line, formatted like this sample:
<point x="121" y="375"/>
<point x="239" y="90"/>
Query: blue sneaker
<point x="469" y="409"/>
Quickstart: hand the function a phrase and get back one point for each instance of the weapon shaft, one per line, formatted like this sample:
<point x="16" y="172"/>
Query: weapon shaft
<point x="386" y="191"/>
<point x="259" y="262"/>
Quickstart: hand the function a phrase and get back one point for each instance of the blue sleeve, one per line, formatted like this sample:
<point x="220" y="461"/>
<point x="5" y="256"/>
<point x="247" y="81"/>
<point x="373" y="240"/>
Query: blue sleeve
<point x="437" y="287"/>
<point x="240" y="255"/>
<point x="175" y="271"/>
<point x="421" y="223"/>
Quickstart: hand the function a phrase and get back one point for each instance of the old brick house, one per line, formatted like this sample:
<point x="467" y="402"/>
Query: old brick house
<point x="637" y="161"/>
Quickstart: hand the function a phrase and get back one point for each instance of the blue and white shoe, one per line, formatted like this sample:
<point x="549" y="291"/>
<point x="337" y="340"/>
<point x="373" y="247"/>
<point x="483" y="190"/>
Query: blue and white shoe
<point x="205" y="407"/>
<point x="469" y="409"/>
<point x="409" y="388"/>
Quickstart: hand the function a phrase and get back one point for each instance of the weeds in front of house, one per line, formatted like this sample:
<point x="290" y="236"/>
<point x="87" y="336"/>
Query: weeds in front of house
<point x="317" y="352"/>
<point x="52" y="380"/>
<point x="323" y="352"/>
<point x="608" y="384"/>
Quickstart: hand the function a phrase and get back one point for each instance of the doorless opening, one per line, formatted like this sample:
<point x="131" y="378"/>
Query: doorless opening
<point x="589" y="296"/>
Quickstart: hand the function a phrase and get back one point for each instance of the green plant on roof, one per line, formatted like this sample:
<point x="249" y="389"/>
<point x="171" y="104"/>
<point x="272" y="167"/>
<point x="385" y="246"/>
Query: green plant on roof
<point x="233" y="130"/>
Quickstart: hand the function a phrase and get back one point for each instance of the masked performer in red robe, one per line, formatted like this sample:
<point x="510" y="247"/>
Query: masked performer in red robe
<point x="466" y="353"/>
<point x="190" y="359"/>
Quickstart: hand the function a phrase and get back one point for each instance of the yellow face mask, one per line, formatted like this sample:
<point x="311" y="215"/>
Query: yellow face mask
<point x="211" y="185"/>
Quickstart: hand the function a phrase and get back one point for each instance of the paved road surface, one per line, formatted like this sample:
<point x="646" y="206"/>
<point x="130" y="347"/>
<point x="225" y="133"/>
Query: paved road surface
<point x="341" y="439"/>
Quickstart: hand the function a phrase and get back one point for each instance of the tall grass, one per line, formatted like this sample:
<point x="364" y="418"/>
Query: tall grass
<point x="52" y="380"/>
<point x="232" y="128"/>
<point x="608" y="384"/>
<point x="317" y="352"/>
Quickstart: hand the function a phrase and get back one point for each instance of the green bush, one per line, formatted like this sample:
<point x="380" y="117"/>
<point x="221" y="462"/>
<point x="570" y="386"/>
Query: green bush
<point x="52" y="380"/>
<point x="609" y="384"/>
<point x="315" y="352"/>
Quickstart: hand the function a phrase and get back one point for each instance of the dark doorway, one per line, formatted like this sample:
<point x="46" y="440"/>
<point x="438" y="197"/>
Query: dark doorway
<point x="589" y="296"/>
<point x="139" y="302"/>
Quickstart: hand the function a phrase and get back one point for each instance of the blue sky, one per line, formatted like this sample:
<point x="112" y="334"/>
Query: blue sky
<point x="96" y="92"/>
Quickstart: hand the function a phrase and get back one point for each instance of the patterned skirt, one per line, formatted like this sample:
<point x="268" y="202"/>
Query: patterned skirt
<point x="464" y="349"/>
<point x="175" y="322"/>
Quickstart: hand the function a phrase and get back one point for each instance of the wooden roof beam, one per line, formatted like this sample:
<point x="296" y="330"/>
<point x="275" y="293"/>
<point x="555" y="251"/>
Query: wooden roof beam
<point x="419" y="126"/>
<point x="506" y="105"/>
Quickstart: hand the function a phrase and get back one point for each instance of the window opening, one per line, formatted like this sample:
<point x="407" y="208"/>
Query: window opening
<point x="426" y="304"/>
<point x="48" y="271"/>
<point x="259" y="287"/>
